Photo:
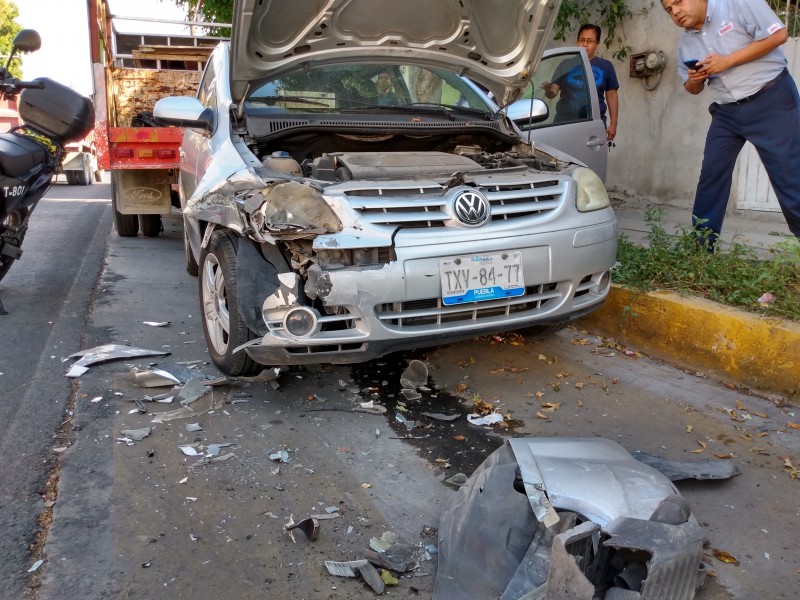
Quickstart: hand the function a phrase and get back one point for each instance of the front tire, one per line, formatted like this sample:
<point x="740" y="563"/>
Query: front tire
<point x="126" y="225"/>
<point x="222" y="325"/>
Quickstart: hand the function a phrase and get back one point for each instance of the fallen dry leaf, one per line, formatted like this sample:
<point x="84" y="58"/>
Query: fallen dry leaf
<point x="760" y="414"/>
<point x="542" y="357"/>
<point x="539" y="395"/>
<point x="461" y="388"/>
<point x="459" y="438"/>
<point x="580" y="403"/>
<point x="466" y="363"/>
<point x="579" y="385"/>
<point x="580" y="342"/>
<point x="793" y="425"/>
<point x="789" y="467"/>
<point x="542" y="416"/>
<point x="366" y="486"/>
<point x="702" y="447"/>
<point x="551" y="406"/>
<point x="444" y="462"/>
<point x="689" y="429"/>
<point x="563" y="374"/>
<point x="725" y="557"/>
<point x="740" y="405"/>
<point x="728" y="455"/>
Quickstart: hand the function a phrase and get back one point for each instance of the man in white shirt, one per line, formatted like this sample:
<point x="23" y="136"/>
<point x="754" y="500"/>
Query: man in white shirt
<point x="733" y="47"/>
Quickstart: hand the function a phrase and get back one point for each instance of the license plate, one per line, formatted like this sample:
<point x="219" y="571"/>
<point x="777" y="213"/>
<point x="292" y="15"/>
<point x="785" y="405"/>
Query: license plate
<point x="476" y="278"/>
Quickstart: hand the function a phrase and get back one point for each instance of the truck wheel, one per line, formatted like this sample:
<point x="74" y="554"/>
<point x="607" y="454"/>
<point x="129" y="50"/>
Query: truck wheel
<point x="192" y="267"/>
<point x="83" y="177"/>
<point x="150" y="225"/>
<point x="72" y="178"/>
<point x="126" y="225"/>
<point x="223" y="328"/>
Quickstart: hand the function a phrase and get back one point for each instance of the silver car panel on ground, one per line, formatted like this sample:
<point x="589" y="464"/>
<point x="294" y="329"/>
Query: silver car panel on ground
<point x="368" y="199"/>
<point x="621" y="530"/>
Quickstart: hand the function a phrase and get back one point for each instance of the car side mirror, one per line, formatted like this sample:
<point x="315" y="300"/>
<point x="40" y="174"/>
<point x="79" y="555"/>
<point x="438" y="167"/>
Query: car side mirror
<point x="527" y="111"/>
<point x="184" y="111"/>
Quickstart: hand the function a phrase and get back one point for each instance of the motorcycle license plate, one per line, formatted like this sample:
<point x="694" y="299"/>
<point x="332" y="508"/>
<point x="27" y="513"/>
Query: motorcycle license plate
<point x="484" y="277"/>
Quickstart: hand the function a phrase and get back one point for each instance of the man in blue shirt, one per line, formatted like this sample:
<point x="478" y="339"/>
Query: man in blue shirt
<point x="569" y="81"/>
<point x="736" y="46"/>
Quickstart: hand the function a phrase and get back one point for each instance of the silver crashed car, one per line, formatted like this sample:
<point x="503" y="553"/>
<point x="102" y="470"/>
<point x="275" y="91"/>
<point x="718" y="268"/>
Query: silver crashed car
<point x="346" y="193"/>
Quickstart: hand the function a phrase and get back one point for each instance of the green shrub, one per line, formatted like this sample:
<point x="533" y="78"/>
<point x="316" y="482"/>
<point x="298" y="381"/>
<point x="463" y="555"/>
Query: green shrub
<point x="734" y="275"/>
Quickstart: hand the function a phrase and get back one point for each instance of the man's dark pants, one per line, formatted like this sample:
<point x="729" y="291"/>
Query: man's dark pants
<point x="771" y="122"/>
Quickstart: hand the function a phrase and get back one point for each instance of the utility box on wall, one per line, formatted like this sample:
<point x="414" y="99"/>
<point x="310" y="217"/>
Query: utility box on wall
<point x="647" y="64"/>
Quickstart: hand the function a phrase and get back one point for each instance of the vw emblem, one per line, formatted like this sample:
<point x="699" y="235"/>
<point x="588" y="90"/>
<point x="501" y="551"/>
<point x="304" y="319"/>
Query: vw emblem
<point x="472" y="208"/>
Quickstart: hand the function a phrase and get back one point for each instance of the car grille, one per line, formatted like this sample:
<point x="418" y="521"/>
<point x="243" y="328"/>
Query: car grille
<point x="429" y="312"/>
<point x="426" y="206"/>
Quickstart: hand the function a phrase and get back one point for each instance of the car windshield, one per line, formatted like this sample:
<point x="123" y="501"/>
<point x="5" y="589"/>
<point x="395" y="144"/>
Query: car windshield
<point x="356" y="87"/>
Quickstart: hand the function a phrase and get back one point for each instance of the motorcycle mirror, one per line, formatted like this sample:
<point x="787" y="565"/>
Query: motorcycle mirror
<point x="27" y="40"/>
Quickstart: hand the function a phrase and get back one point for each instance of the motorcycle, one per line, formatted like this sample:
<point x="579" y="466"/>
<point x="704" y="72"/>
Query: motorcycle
<point x="52" y="115"/>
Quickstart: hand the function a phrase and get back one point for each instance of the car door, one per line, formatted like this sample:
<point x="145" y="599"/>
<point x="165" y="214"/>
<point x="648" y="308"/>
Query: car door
<point x="573" y="127"/>
<point x="196" y="146"/>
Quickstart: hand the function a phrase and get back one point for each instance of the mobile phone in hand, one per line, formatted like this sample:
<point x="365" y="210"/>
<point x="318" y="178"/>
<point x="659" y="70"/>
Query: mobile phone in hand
<point x="693" y="65"/>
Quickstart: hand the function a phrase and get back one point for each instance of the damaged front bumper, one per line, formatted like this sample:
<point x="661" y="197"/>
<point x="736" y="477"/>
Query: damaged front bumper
<point x="621" y="531"/>
<point x="372" y="310"/>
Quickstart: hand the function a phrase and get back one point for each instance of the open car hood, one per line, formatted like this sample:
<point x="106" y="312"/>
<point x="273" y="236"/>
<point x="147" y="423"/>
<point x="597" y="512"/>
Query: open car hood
<point x="496" y="43"/>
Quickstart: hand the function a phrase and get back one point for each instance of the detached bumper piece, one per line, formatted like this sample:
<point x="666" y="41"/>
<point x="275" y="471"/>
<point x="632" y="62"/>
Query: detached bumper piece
<point x="568" y="519"/>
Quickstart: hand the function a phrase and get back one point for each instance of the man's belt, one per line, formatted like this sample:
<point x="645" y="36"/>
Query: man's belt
<point x="781" y="76"/>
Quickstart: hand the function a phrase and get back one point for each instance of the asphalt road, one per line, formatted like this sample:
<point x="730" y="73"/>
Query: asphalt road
<point x="147" y="521"/>
<point x="47" y="295"/>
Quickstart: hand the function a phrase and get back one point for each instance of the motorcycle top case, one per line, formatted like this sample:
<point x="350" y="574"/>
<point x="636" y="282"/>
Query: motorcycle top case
<point x="57" y="110"/>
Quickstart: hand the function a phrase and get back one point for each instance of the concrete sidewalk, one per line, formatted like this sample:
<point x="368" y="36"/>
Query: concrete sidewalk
<point x="736" y="346"/>
<point x="758" y="230"/>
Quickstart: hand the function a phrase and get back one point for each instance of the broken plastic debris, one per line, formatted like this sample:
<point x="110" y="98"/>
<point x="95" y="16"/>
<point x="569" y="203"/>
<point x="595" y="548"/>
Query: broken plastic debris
<point x="441" y="416"/>
<point x="156" y="323"/>
<point x="489" y="419"/>
<point x="280" y="456"/>
<point x="410" y="395"/>
<point x="457" y="479"/>
<point x="35" y="566"/>
<point x="155" y="378"/>
<point x="191" y="449"/>
<point x="193" y="427"/>
<point x="136" y="434"/>
<point x="266" y="376"/>
<point x="415" y="375"/>
<point x="383" y="543"/>
<point x="213" y="449"/>
<point x="401" y="419"/>
<point x="676" y="470"/>
<point x="105" y="353"/>
<point x="309" y="526"/>
<point x="193" y="390"/>
<point x="362" y="567"/>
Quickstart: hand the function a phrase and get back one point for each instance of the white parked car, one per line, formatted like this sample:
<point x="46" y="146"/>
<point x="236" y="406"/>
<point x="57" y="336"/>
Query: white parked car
<point x="346" y="193"/>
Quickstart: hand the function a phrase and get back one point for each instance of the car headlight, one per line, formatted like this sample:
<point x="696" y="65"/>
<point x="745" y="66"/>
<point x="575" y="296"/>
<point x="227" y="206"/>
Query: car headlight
<point x="291" y="207"/>
<point x="592" y="194"/>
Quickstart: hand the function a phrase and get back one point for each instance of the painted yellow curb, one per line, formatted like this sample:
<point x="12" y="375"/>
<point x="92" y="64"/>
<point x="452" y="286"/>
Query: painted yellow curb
<point x="696" y="334"/>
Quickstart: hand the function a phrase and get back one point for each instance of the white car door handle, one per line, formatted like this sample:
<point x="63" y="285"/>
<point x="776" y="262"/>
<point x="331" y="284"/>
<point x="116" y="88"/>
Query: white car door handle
<point x="595" y="142"/>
